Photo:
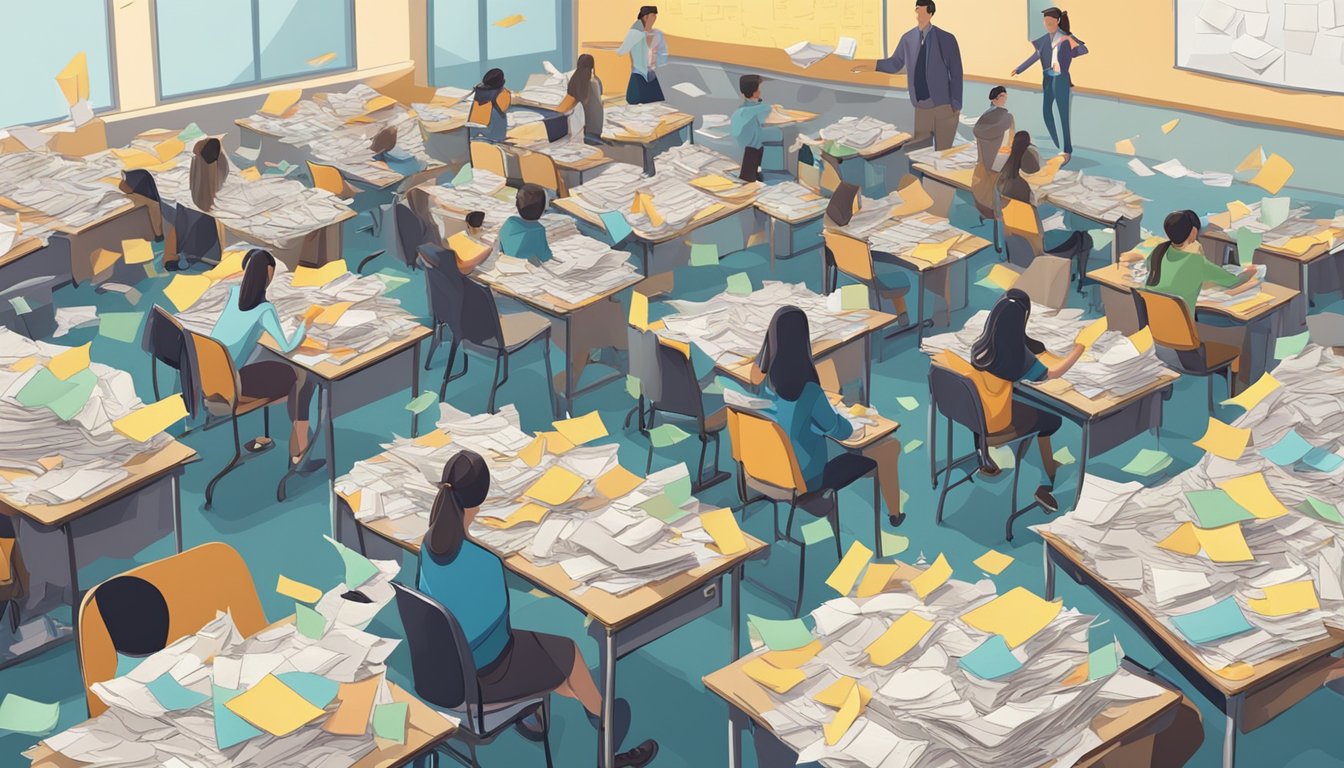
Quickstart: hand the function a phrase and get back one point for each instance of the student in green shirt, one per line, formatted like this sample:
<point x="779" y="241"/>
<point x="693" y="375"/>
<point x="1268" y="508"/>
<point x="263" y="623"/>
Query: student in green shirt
<point x="1178" y="266"/>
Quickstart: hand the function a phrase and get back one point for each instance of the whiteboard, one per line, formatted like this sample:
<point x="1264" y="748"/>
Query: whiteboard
<point x="777" y="23"/>
<point x="1283" y="43"/>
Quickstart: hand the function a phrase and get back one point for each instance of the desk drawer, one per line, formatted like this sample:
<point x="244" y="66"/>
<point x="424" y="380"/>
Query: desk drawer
<point x="668" y="619"/>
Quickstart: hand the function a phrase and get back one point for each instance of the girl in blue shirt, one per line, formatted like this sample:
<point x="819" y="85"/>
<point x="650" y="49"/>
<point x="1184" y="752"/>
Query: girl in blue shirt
<point x="468" y="580"/>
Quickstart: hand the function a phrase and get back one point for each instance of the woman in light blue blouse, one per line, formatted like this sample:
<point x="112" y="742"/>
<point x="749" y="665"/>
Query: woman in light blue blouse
<point x="648" y="51"/>
<point x="246" y="315"/>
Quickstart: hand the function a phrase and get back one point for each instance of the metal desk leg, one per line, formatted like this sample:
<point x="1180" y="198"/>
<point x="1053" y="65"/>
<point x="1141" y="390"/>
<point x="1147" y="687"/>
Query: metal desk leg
<point x="1082" y="460"/>
<point x="415" y="387"/>
<point x="1233" y="717"/>
<point x="735" y="728"/>
<point x="920" y="332"/>
<point x="569" y="367"/>
<point x="735" y="582"/>
<point x="74" y="578"/>
<point x="177" y="512"/>
<point x="933" y="442"/>
<point x="770" y="232"/>
<point x="329" y="424"/>
<point x="1304" y="281"/>
<point x="867" y="368"/>
<point x="1049" y="573"/>
<point x="607" y="750"/>
<point x="877" y="514"/>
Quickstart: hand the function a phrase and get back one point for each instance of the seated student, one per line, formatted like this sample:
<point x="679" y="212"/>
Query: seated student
<point x="209" y="170"/>
<point x="994" y="130"/>
<point x="1007" y="354"/>
<point x="524" y="236"/>
<point x="490" y="102"/>
<point x="749" y="128"/>
<point x="384" y="148"/>
<point x="468" y="580"/>
<point x="1022" y="158"/>
<point x="246" y="315"/>
<point x="585" y="119"/>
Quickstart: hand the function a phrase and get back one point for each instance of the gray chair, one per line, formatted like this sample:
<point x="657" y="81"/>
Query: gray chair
<point x="39" y="322"/>
<point x="411" y="234"/>
<point x="444" y="674"/>
<point x="167" y="342"/>
<point x="195" y="237"/>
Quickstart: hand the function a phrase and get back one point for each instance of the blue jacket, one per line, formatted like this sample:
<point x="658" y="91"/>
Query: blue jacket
<point x="1041" y="53"/>
<point x="809" y="421"/>
<point x="942" y="68"/>
<point x="748" y="123"/>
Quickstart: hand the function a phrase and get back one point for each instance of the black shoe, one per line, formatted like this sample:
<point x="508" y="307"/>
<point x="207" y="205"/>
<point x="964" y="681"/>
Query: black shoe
<point x="639" y="756"/>
<point x="1047" y="499"/>
<point x="172" y="266"/>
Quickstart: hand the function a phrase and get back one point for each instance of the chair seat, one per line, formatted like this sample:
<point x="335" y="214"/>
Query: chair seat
<point x="1217" y="355"/>
<point x="892" y="279"/>
<point x="246" y="405"/>
<point x="1005" y="436"/>
<point x="497" y="715"/>
<point x="521" y="328"/>
<point x="843" y="470"/>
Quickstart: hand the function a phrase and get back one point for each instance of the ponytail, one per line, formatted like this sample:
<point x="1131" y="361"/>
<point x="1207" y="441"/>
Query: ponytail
<point x="1064" y="22"/>
<point x="1178" y="225"/>
<point x="465" y="484"/>
<point x="1155" y="262"/>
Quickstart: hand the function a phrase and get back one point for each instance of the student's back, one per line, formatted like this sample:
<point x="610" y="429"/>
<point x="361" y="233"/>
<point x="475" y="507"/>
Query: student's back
<point x="524" y="236"/>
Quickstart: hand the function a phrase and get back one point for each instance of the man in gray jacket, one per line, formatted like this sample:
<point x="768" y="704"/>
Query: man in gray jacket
<point x="932" y="62"/>
<point x="994" y="130"/>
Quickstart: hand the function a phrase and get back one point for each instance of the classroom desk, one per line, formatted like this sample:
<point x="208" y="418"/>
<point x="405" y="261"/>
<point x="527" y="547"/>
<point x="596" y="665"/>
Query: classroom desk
<point x="128" y="221"/>
<point x="447" y="140"/>
<point x="791" y="224"/>
<point x="649" y="243"/>
<point x="150" y="476"/>
<point x="675" y="128"/>
<point x="1285" y="267"/>
<point x="425" y="730"/>
<point x="1248" y="703"/>
<point x="573" y="172"/>
<point x="623" y="624"/>
<point x="1263" y="320"/>
<point x="872" y="434"/>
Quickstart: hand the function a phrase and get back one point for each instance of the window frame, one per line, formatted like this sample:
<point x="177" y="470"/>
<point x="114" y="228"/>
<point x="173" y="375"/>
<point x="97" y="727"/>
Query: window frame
<point x="350" y="34"/>
<point x="566" y="42"/>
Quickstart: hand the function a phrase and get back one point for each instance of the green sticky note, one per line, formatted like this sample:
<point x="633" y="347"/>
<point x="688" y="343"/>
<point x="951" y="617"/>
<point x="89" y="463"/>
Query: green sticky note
<point x="662" y="508"/>
<point x="1287" y="346"/>
<point x="310" y="623"/>
<point x="816" y="531"/>
<point x="1104" y="661"/>
<point x="907" y="402"/>
<point x="1003" y="456"/>
<point x="1147" y="462"/>
<point x="705" y="255"/>
<point x="424" y="401"/>
<point x="665" y="435"/>
<point x="913" y="445"/>
<point x="120" y="326"/>
<point x="63" y="398"/>
<point x="389" y="721"/>
<point x="1064" y="456"/>
<point x="20" y="305"/>
<point x="632" y="386"/>
<point x="358" y="568"/>
<point x="391" y="280"/>
<point x="1322" y="509"/>
<point x="837" y="150"/>
<point x="230" y="729"/>
<point x="1214" y="508"/>
<point x="678" y="491"/>
<point x="985" y="282"/>
<point x="463" y="176"/>
<point x="785" y="635"/>
<point x="853" y="297"/>
<point x="715" y="387"/>
<point x="1247" y="242"/>
<point x="22" y="715"/>
<point x="739" y="284"/>
<point x="315" y="689"/>
<point x="191" y="133"/>
<point x="894" y="543"/>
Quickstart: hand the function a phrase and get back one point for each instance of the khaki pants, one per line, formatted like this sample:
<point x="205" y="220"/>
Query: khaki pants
<point x="887" y="453"/>
<point x="939" y="122"/>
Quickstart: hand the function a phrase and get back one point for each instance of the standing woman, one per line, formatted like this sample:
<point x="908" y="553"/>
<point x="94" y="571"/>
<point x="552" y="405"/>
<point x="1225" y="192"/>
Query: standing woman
<point x="1056" y="50"/>
<point x="648" y="52"/>
<point x="490" y="100"/>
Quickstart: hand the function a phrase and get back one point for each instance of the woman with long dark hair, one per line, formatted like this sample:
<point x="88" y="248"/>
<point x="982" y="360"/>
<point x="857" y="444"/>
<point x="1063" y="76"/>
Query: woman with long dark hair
<point x="1056" y="50"/>
<point x="1022" y="158"/>
<point x="648" y="52"/>
<point x="585" y="120"/>
<point x="468" y="580"/>
<point x="490" y="101"/>
<point x="1008" y="355"/>
<point x="206" y="176"/>
<point x="1178" y="266"/>
<point x="246" y="315"/>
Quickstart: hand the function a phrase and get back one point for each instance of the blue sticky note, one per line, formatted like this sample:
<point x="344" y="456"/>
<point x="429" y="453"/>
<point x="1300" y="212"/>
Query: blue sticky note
<point x="1287" y="346"/>
<point x="1104" y="661"/>
<point x="1323" y="460"/>
<point x="991" y="659"/>
<point x="316" y="689"/>
<point x="120" y="326"/>
<point x="463" y="177"/>
<point x="1222" y="619"/>
<point x="1289" y="450"/>
<point x="172" y="695"/>
<point x="781" y="635"/>
<point x="705" y="255"/>
<point x="230" y="729"/>
<point x="617" y="227"/>
<point x="739" y="284"/>
<point x="678" y="491"/>
<point x="1214" y="508"/>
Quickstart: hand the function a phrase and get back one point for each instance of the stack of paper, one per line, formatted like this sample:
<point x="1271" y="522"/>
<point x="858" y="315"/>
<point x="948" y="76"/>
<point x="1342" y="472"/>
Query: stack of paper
<point x="791" y="200"/>
<point x="620" y="186"/>
<point x="960" y="157"/>
<point x="1097" y="197"/>
<point x="923" y="238"/>
<point x="859" y="132"/>
<point x="804" y="54"/>
<point x="75" y="192"/>
<point x="579" y="270"/>
<point x="627" y="120"/>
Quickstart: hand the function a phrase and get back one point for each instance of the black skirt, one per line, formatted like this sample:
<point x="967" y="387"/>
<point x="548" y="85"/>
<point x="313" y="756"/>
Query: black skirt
<point x="533" y="663"/>
<point x="642" y="91"/>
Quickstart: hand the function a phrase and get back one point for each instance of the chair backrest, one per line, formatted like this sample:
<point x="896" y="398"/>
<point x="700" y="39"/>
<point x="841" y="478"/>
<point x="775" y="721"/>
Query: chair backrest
<point x="1046" y="281"/>
<point x="764" y="451"/>
<point x="197" y="234"/>
<point x="442" y="667"/>
<point x="1171" y="322"/>
<point x="326" y="177"/>
<point x="196" y="584"/>
<point x="467" y="307"/>
<point x="411" y="232"/>
<point x="168" y="342"/>
<point x="540" y="169"/>
<point x="139" y="181"/>
<point x="1022" y="220"/>
<point x="978" y="401"/>
<point x="851" y="255"/>
<point x="644" y="361"/>
<point x="678" y="389"/>
<point x="488" y="157"/>
<point x="215" y="372"/>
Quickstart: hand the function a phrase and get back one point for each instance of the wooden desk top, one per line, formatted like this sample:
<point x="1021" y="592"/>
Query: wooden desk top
<point x="778" y="215"/>
<point x="1274" y="296"/>
<point x="545" y="302"/>
<point x="669" y="125"/>
<point x="1263" y="674"/>
<point x="791" y="117"/>
<point x="595" y="160"/>
<point x="454" y="123"/>
<point x="875" y="151"/>
<point x="21" y="247"/>
<point x="728" y="209"/>
<point x="1313" y="253"/>
<point x="330" y="371"/>
<point x="144" y="469"/>
<point x="1063" y="392"/>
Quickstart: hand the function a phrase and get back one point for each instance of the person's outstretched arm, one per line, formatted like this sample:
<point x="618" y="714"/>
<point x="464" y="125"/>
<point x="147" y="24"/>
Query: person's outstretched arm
<point x="1035" y="57"/>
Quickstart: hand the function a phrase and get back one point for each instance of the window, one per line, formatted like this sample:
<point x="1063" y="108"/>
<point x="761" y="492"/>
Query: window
<point x="468" y="37"/>
<point x="42" y="38"/>
<point x="233" y="43"/>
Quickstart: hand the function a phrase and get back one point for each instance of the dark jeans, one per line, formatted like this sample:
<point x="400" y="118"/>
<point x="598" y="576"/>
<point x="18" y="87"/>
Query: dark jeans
<point x="272" y="379"/>
<point x="1058" y="90"/>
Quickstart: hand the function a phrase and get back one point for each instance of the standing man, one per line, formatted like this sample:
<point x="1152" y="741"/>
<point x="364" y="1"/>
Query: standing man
<point x="932" y="61"/>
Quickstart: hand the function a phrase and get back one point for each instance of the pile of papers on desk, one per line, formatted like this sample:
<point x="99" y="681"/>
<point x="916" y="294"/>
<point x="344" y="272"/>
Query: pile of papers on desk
<point x="791" y="199"/>
<point x="730" y="328"/>
<point x="707" y="170"/>
<point x="1096" y="197"/>
<point x="859" y="132"/>
<point x="72" y="191"/>
<point x="922" y="238"/>
<point x="959" y="157"/>
<point x="634" y="119"/>
<point x="1240" y="557"/>
<point x="1226" y="298"/>
<point x="66" y="448"/>
<point x="359" y="317"/>
<point x="449" y="103"/>
<point x="1112" y="365"/>
<point x="547" y="501"/>
<point x="548" y="90"/>
<point x="960" y="677"/>
<point x="675" y="202"/>
<point x="454" y="203"/>
<point x="580" y="270"/>
<point x="1273" y="218"/>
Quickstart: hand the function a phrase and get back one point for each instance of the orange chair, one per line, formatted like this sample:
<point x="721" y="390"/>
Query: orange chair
<point x="540" y="169"/>
<point x="854" y="257"/>
<point x="329" y="178"/>
<point x="1174" y="330"/>
<point x="489" y="157"/>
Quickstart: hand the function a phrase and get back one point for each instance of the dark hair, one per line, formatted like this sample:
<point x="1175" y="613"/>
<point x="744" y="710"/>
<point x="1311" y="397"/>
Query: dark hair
<point x="209" y="168"/>
<point x="645" y="10"/>
<point x="1003" y="347"/>
<point x="531" y="201"/>
<point x="786" y="355"/>
<point x="209" y="148"/>
<point x="256" y="276"/>
<point x="927" y="4"/>
<point x="996" y="92"/>
<point x="135" y="614"/>
<point x="1062" y="17"/>
<point x="464" y="484"/>
<point x="1178" y="225"/>
<point x="492" y="80"/>
<point x="750" y="84"/>
<point x="475" y="219"/>
<point x="582" y="79"/>
<point x="1012" y="168"/>
<point x="384" y="140"/>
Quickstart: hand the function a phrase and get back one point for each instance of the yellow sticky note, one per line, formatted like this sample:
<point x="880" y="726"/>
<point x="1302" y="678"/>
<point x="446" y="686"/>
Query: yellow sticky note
<point x="793" y="659"/>
<point x="70" y="362"/>
<point x="1089" y="335"/>
<point x="618" y="482"/>
<point x="527" y="513"/>
<point x="903" y="634"/>
<point x="436" y="439"/>
<point x="316" y="277"/>
<point x="297" y="590"/>
<point x="913" y="200"/>
<point x="169" y="148"/>
<point x="1019" y="217"/>
<point x="531" y="455"/>
<point x="1252" y="395"/>
<point x="329" y="315"/>
<point x="1220" y="220"/>
<point x="935" y="253"/>
<point x="714" y="208"/>
<point x="50" y="463"/>
<point x="1238" y="210"/>
<point x="555" y="487"/>
<point x="1225" y="544"/>
<point x="639" y="310"/>
<point x="1252" y="162"/>
<point x="230" y="264"/>
<point x="1223" y="440"/>
<point x="651" y="211"/>
<point x="834" y="695"/>
<point x="1002" y="276"/>
<point x="509" y="21"/>
<point x="1170" y="125"/>
<point x="1125" y="147"/>
<point x="278" y="102"/>
<point x="557" y="443"/>
<point x="851" y="565"/>
<point x="1142" y="339"/>
<point x="582" y="429"/>
<point x="149" y="421"/>
<point x="932" y="578"/>
<point x="993" y="562"/>
<point x="713" y="182"/>
<point x="74" y="79"/>
<point x="104" y="259"/>
<point x="185" y="290"/>
<point x="273" y="707"/>
<point x="1017" y="615"/>
<point x="250" y="174"/>
<point x="774" y="678"/>
<point x="1285" y="599"/>
<point x="379" y="102"/>
<point x="723" y="527"/>
<point x="849" y="712"/>
<point x="467" y="250"/>
<point x="136" y="251"/>
<point x="1252" y="492"/>
<point x="1183" y="540"/>
<point x="1273" y="174"/>
<point x="23" y="364"/>
<point x="876" y="579"/>
<point x="325" y="58"/>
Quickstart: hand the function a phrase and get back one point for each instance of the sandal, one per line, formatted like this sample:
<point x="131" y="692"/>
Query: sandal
<point x="301" y="467"/>
<point x="255" y="445"/>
